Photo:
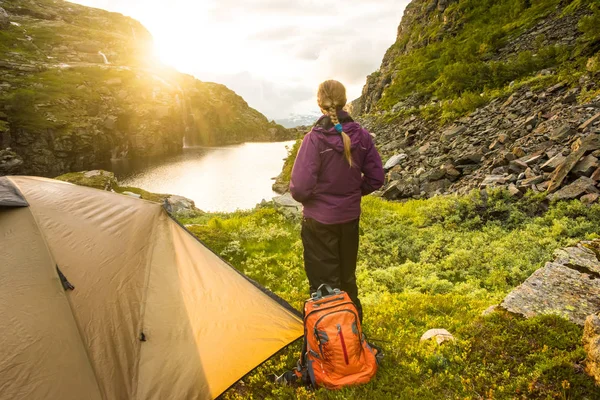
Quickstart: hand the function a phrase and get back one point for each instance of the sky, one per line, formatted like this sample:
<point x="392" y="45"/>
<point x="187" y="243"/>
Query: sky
<point x="274" y="53"/>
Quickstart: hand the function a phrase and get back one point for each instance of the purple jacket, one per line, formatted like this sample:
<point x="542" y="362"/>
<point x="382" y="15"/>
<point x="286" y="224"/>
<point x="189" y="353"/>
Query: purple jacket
<point x="323" y="181"/>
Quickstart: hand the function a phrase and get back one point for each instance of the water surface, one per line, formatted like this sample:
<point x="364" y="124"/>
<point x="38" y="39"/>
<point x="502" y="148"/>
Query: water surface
<point x="216" y="178"/>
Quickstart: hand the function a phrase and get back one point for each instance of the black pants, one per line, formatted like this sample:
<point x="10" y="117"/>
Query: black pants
<point x="330" y="253"/>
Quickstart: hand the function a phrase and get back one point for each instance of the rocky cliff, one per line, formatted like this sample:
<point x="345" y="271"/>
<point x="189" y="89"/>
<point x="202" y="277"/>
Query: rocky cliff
<point x="79" y="86"/>
<point x="489" y="93"/>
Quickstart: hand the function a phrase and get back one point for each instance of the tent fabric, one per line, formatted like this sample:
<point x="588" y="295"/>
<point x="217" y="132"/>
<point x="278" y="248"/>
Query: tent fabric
<point x="155" y="314"/>
<point x="9" y="195"/>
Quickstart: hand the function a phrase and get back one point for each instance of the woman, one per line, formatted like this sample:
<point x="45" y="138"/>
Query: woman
<point x="336" y="165"/>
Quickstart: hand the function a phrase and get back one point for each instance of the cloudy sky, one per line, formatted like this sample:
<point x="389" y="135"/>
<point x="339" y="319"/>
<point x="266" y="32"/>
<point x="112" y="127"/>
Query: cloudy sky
<point x="274" y="53"/>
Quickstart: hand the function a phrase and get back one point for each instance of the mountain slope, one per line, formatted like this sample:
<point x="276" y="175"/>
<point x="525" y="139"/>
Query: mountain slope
<point x="448" y="49"/>
<point x="79" y="86"/>
<point x="489" y="93"/>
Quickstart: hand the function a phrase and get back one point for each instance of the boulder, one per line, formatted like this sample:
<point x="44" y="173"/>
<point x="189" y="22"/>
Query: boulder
<point x="561" y="172"/>
<point x="561" y="133"/>
<point x="439" y="335"/>
<point x="288" y="205"/>
<point x="596" y="174"/>
<point x="436" y="187"/>
<point x="434" y="174"/>
<point x="394" y="160"/>
<point x="590" y="198"/>
<point x="591" y="345"/>
<point x="4" y="19"/>
<point x="576" y="189"/>
<point x="514" y="191"/>
<point x="586" y="166"/>
<point x="589" y="122"/>
<point x="180" y="206"/>
<point x="553" y="163"/>
<point x="451" y="133"/>
<point x="392" y="191"/>
<point x="470" y="158"/>
<point x="10" y="162"/>
<point x="493" y="180"/>
<point x="569" y="286"/>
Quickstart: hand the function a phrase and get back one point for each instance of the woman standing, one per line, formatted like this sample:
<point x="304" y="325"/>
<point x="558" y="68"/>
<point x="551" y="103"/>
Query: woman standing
<point x="336" y="165"/>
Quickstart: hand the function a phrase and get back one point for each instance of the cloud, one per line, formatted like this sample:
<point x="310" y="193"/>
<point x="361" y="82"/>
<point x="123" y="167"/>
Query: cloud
<point x="274" y="99"/>
<point x="274" y="53"/>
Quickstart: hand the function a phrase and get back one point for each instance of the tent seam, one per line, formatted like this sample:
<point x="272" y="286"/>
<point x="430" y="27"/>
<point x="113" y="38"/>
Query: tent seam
<point x="143" y="308"/>
<point x="35" y="220"/>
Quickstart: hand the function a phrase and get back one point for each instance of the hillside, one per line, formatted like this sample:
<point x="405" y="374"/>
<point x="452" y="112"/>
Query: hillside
<point x="79" y="86"/>
<point x="489" y="93"/>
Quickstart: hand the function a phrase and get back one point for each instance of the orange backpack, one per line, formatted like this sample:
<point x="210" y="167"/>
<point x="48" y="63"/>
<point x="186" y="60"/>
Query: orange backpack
<point x="335" y="352"/>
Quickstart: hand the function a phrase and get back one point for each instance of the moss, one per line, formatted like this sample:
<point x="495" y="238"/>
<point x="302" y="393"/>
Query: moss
<point x="103" y="181"/>
<point x="158" y="198"/>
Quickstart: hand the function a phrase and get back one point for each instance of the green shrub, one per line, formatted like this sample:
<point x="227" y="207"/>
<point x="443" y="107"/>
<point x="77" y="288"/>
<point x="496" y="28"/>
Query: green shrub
<point x="426" y="264"/>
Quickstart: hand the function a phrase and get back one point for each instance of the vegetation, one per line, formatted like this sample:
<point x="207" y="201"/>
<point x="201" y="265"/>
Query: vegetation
<point x="425" y="264"/>
<point x="456" y="59"/>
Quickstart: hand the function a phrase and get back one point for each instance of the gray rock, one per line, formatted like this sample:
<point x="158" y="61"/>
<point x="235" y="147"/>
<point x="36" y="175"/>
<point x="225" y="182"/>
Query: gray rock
<point x="590" y="198"/>
<point x="586" y="166"/>
<point x="576" y="189"/>
<point x="589" y="122"/>
<point x="436" y="187"/>
<point x="556" y="289"/>
<point x="553" y="163"/>
<point x="583" y="256"/>
<point x="180" y="206"/>
<point x="288" y="206"/>
<point x="434" y="174"/>
<point x="532" y="181"/>
<point x="439" y="335"/>
<point x="394" y="160"/>
<point x="4" y="19"/>
<point x="451" y="133"/>
<point x="493" y="180"/>
<point x="591" y="345"/>
<point x="561" y="133"/>
<point x="470" y="158"/>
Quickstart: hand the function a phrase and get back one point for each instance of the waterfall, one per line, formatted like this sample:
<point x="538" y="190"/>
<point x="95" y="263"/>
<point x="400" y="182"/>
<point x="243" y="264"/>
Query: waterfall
<point x="104" y="57"/>
<point x="185" y="144"/>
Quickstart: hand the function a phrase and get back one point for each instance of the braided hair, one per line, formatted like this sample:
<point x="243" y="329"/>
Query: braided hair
<point x="331" y="98"/>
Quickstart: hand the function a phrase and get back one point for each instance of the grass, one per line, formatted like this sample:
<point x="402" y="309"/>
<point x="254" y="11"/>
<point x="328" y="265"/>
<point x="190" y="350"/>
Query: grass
<point x="460" y="67"/>
<point x="425" y="264"/>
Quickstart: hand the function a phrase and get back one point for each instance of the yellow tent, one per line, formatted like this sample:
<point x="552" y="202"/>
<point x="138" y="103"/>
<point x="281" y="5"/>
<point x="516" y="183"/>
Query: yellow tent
<point x="153" y="314"/>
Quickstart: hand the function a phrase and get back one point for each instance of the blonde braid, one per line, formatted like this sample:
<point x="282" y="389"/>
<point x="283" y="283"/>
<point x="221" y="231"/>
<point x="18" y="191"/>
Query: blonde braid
<point x="331" y="96"/>
<point x="332" y="112"/>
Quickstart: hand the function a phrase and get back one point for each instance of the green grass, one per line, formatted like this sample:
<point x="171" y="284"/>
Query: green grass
<point x="425" y="264"/>
<point x="459" y="67"/>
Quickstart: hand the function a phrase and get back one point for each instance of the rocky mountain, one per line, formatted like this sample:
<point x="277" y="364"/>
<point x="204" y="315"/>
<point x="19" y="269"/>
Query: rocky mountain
<point x="79" y="86"/>
<point x="299" y="120"/>
<point x="482" y="93"/>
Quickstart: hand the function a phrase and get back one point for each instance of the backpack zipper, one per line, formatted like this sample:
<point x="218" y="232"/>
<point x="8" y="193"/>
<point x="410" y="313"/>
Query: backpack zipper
<point x="341" y="334"/>
<point x="326" y="308"/>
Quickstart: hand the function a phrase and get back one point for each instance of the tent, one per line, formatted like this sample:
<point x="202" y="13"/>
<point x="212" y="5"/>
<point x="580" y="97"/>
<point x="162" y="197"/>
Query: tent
<point x="104" y="296"/>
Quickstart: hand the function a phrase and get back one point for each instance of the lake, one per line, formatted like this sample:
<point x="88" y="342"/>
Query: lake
<point x="216" y="178"/>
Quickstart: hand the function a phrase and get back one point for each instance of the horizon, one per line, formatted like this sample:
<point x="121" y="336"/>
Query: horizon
<point x="272" y="53"/>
